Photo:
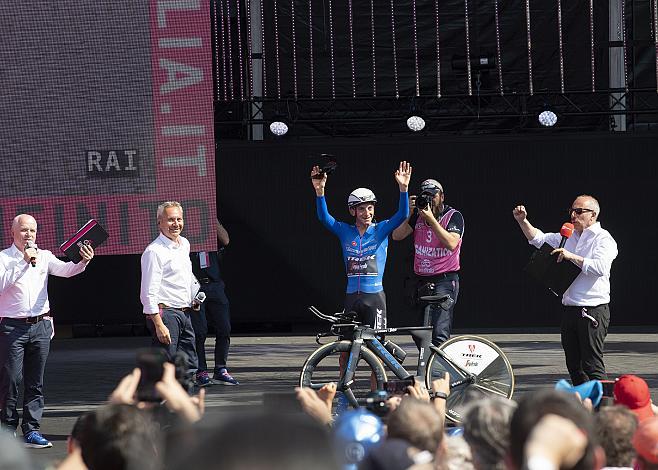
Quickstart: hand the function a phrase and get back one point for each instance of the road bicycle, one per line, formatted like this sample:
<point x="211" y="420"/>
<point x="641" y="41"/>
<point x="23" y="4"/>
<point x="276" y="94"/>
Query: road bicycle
<point x="477" y="367"/>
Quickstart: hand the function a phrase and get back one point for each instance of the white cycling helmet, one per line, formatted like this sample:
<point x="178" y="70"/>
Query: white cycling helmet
<point x="359" y="196"/>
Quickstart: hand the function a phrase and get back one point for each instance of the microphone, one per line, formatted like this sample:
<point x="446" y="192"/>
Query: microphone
<point x="566" y="231"/>
<point x="30" y="245"/>
<point x="198" y="300"/>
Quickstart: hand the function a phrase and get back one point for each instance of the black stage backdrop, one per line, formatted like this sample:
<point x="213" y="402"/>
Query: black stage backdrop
<point x="281" y="259"/>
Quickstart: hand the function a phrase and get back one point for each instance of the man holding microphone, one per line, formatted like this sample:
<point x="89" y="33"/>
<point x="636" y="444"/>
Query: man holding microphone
<point x="168" y="286"/>
<point x="26" y="326"/>
<point x="585" y="312"/>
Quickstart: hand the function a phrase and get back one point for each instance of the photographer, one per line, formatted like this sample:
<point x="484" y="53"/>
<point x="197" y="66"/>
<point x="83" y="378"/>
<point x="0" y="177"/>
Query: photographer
<point x="438" y="231"/>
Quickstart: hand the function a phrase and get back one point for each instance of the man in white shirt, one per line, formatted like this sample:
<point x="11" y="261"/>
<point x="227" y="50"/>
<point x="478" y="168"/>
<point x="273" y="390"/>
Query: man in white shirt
<point x="26" y="325"/>
<point x="586" y="314"/>
<point x="167" y="286"/>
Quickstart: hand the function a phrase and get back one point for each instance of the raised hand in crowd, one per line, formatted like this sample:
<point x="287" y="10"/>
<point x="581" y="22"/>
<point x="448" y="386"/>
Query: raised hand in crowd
<point x="317" y="404"/>
<point x="176" y="399"/>
<point x="556" y="440"/>
<point x="418" y="391"/>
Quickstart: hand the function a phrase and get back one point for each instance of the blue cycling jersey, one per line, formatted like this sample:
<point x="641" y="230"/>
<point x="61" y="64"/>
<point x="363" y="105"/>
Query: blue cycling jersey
<point x="364" y="256"/>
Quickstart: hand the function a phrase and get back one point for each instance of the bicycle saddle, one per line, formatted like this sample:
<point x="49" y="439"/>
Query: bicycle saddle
<point x="442" y="300"/>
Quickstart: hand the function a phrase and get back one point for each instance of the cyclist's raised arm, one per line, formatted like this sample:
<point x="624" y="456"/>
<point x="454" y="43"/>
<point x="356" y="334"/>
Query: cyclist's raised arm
<point x="402" y="176"/>
<point x="407" y="227"/>
<point x="319" y="180"/>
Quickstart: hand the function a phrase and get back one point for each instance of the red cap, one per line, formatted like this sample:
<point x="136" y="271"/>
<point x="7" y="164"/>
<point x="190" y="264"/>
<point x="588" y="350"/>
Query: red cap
<point x="633" y="392"/>
<point x="567" y="229"/>
<point x="645" y="440"/>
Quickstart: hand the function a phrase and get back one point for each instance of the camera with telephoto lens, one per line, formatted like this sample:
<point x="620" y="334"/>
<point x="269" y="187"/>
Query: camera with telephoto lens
<point x="424" y="200"/>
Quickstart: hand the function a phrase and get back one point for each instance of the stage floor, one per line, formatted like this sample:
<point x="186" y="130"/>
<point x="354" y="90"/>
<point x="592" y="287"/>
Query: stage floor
<point x="81" y="373"/>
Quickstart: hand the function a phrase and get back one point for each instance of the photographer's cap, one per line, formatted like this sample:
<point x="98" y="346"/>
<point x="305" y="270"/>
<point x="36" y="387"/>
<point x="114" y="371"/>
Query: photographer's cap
<point x="356" y="433"/>
<point x="431" y="186"/>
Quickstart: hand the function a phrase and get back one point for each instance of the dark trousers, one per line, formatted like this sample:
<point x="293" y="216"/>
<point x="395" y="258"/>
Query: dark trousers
<point x="582" y="341"/>
<point x="215" y="310"/>
<point x="182" y="335"/>
<point x="24" y="350"/>
<point x="439" y="318"/>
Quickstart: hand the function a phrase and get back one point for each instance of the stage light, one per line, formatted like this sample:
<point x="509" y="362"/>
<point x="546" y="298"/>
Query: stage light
<point x="547" y="118"/>
<point x="278" y="128"/>
<point x="415" y="123"/>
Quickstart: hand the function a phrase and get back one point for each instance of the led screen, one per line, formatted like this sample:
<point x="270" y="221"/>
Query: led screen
<point x="106" y="112"/>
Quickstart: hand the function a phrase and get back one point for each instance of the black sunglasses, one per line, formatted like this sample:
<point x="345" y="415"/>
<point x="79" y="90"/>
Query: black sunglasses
<point x="579" y="210"/>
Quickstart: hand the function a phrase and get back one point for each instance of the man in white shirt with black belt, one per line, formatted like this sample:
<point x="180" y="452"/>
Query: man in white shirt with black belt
<point x="167" y="286"/>
<point x="26" y="325"/>
<point x="586" y="314"/>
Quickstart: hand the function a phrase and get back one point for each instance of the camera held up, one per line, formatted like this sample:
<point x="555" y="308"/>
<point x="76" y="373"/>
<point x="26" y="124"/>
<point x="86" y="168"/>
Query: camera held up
<point x="423" y="201"/>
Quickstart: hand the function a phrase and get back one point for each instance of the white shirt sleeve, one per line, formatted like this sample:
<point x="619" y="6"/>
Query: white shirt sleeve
<point x="151" y="281"/>
<point x="604" y="253"/>
<point x="57" y="267"/>
<point x="552" y="239"/>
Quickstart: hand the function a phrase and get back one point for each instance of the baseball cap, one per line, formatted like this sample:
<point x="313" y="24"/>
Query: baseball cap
<point x="592" y="389"/>
<point x="633" y="392"/>
<point x="645" y="440"/>
<point x="431" y="186"/>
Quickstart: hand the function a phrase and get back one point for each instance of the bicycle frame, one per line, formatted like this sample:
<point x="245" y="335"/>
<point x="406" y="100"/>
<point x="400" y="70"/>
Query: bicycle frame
<point x="368" y="336"/>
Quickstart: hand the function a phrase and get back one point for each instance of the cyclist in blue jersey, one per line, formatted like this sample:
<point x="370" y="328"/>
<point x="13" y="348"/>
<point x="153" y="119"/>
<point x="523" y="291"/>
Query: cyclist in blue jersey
<point x="364" y="244"/>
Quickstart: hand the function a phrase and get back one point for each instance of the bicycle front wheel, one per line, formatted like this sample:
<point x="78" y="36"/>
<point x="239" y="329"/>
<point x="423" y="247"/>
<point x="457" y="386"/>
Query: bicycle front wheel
<point x="473" y="357"/>
<point x="323" y="367"/>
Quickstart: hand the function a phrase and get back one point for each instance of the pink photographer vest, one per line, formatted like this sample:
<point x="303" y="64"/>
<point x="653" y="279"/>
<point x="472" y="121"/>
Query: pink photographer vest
<point x="430" y="256"/>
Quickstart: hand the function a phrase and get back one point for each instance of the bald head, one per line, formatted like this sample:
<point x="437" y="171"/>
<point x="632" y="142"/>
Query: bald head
<point x="23" y="229"/>
<point x="22" y="218"/>
<point x="586" y="212"/>
<point x="590" y="202"/>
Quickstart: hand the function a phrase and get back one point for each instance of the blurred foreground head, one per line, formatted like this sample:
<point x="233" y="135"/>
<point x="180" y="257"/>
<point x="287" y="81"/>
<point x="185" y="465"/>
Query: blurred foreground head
<point x="120" y="437"/>
<point x="532" y="407"/>
<point x="259" y="440"/>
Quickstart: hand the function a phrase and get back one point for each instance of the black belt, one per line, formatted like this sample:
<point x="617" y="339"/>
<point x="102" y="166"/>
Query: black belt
<point x="580" y="307"/>
<point x="30" y="320"/>
<point x="439" y="277"/>
<point x="182" y="309"/>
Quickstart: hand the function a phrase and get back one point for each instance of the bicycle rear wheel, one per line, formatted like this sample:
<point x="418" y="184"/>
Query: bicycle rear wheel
<point x="485" y="363"/>
<point x="322" y="367"/>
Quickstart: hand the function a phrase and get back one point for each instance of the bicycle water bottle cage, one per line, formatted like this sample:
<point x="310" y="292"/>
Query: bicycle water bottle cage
<point x="444" y="301"/>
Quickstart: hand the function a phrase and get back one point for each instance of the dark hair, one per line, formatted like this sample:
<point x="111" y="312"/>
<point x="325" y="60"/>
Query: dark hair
<point x="534" y="406"/>
<point x="615" y="426"/>
<point x="259" y="440"/>
<point x="120" y="437"/>
<point x="80" y="426"/>
<point x="418" y="423"/>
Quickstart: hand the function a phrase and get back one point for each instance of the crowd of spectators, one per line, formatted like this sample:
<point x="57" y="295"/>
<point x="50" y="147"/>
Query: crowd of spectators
<point x="544" y="430"/>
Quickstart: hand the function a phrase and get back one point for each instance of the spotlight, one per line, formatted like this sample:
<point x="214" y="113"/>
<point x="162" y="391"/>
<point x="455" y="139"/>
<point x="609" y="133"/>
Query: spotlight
<point x="547" y="118"/>
<point x="415" y="123"/>
<point x="278" y="128"/>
